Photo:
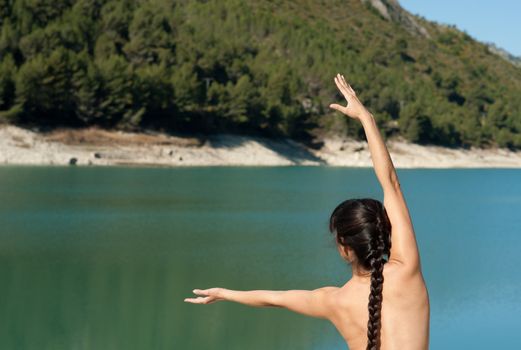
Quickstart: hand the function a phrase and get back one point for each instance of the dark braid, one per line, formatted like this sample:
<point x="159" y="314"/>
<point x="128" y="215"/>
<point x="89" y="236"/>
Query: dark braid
<point x="363" y="225"/>
<point x="375" y="296"/>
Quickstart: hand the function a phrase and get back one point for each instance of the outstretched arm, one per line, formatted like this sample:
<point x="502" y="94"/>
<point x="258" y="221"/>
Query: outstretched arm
<point x="312" y="303"/>
<point x="404" y="249"/>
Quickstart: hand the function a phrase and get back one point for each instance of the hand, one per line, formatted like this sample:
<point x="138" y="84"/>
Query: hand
<point x="354" y="109"/>
<point x="206" y="296"/>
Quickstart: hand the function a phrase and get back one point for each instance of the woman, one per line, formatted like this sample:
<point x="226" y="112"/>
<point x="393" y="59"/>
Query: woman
<point x="378" y="241"/>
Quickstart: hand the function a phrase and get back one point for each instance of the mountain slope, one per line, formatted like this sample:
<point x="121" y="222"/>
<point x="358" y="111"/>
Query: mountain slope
<point x="262" y="67"/>
<point x="505" y="54"/>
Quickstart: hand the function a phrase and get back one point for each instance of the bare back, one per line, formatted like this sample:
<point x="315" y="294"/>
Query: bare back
<point x="405" y="311"/>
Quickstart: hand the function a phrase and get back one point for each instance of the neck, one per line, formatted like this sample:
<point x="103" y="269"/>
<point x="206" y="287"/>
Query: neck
<point x="359" y="272"/>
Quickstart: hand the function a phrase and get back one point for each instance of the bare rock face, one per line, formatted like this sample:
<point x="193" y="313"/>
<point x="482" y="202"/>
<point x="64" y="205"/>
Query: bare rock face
<point x="392" y="11"/>
<point x="515" y="60"/>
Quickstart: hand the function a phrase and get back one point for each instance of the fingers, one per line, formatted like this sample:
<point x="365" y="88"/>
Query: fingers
<point x="342" y="80"/>
<point x="198" y="300"/>
<point x="346" y="85"/>
<point x="203" y="297"/>
<point x="203" y="292"/>
<point x="346" y="90"/>
<point x="341" y="86"/>
<point x="338" y="107"/>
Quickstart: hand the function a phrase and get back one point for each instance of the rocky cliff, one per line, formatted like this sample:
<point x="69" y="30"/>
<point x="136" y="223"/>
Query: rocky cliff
<point x="392" y="11"/>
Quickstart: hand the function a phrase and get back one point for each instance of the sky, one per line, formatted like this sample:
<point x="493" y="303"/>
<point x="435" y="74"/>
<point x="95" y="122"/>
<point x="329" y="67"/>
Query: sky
<point x="495" y="21"/>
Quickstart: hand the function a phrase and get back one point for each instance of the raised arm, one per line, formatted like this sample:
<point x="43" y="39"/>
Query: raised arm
<point x="314" y="303"/>
<point x="404" y="249"/>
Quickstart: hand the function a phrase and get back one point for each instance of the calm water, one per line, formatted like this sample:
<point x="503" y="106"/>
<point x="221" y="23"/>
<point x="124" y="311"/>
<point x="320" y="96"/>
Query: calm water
<point x="101" y="258"/>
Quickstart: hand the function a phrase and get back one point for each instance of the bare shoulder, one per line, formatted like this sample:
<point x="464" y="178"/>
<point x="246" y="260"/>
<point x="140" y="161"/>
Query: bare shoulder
<point x="327" y="293"/>
<point x="329" y="297"/>
<point x="343" y="298"/>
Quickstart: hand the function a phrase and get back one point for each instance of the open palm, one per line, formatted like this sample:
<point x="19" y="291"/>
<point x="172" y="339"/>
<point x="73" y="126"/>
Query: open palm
<point x="354" y="108"/>
<point x="206" y="296"/>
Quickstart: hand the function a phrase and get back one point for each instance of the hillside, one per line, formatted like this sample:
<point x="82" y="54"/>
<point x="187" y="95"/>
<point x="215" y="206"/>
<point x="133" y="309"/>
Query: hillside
<point x="262" y="67"/>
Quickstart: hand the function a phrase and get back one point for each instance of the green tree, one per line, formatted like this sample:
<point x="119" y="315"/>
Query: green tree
<point x="8" y="38"/>
<point x="151" y="39"/>
<point x="116" y="98"/>
<point x="7" y="85"/>
<point x="113" y="24"/>
<point x="5" y="10"/>
<point x="153" y="91"/>
<point x="188" y="90"/>
<point x="44" y="88"/>
<point x="38" y="13"/>
<point x="87" y="92"/>
<point x="46" y="40"/>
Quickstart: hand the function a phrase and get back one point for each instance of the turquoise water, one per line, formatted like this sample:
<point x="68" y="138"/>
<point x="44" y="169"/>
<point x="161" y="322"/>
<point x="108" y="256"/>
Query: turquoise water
<point x="101" y="258"/>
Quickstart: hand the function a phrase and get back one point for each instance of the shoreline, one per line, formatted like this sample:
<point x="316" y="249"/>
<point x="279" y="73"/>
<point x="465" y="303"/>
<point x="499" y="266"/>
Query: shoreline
<point x="96" y="147"/>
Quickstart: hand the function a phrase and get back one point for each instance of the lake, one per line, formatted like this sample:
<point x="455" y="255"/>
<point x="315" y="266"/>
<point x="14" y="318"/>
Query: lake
<point x="102" y="258"/>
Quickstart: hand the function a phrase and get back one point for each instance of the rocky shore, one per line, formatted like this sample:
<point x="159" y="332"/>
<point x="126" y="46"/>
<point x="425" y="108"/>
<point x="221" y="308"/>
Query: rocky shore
<point x="99" y="147"/>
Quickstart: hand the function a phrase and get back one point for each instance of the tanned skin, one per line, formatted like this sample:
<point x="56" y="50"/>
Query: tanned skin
<point x="405" y="306"/>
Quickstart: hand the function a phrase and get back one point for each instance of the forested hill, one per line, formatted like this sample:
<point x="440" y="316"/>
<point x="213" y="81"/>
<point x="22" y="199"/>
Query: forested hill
<point x="261" y="67"/>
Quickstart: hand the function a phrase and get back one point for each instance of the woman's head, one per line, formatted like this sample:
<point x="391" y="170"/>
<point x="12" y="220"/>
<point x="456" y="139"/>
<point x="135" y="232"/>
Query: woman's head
<point x="361" y="227"/>
<point x="363" y="234"/>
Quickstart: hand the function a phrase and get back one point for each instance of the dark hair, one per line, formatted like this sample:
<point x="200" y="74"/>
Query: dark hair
<point x="363" y="226"/>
